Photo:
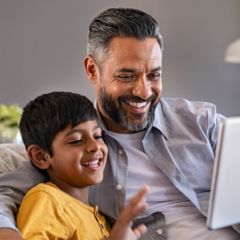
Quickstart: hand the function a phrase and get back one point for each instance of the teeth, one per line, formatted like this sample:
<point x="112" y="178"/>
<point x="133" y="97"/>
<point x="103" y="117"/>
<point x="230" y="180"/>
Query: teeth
<point x="91" y="162"/>
<point x="137" y="104"/>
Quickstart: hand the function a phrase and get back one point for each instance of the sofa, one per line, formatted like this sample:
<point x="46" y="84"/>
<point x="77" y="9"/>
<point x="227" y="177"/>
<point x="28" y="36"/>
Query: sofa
<point x="11" y="156"/>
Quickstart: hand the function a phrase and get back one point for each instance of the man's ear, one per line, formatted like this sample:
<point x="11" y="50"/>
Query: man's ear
<point x="39" y="157"/>
<point x="91" y="69"/>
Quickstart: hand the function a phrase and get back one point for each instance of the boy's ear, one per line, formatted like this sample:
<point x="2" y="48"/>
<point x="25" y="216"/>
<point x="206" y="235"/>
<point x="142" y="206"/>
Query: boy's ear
<point x="91" y="69"/>
<point x="39" y="157"/>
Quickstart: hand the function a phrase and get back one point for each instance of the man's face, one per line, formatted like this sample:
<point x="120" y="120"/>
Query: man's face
<point x="130" y="84"/>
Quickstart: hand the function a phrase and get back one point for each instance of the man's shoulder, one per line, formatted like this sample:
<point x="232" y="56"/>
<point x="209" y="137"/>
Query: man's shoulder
<point x="180" y="113"/>
<point x="172" y="111"/>
<point x="179" y="104"/>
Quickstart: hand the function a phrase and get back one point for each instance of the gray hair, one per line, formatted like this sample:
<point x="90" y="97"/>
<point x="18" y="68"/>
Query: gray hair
<point x="119" y="22"/>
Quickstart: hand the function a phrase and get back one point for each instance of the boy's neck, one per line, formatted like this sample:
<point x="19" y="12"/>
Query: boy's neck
<point x="81" y="194"/>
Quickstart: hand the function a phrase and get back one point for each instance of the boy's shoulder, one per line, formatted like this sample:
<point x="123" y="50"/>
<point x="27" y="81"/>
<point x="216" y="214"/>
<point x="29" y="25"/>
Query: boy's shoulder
<point x="47" y="187"/>
<point x="49" y="194"/>
<point x="48" y="191"/>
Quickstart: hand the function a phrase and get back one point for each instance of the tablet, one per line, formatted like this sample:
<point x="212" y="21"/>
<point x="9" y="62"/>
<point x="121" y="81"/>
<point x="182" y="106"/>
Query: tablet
<point x="224" y="204"/>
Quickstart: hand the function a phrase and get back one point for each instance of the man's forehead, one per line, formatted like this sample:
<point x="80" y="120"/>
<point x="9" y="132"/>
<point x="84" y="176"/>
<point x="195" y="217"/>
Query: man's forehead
<point x="130" y="43"/>
<point x="135" y="48"/>
<point x="127" y="53"/>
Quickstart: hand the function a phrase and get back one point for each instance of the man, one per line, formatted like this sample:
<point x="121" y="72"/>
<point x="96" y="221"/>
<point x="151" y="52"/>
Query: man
<point x="169" y="144"/>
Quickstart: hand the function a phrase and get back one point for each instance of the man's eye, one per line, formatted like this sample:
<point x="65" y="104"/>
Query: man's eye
<point x="76" y="141"/>
<point x="126" y="78"/>
<point x="154" y="77"/>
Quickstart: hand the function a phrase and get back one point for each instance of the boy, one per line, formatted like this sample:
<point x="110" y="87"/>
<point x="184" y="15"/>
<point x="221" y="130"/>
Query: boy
<point x="62" y="137"/>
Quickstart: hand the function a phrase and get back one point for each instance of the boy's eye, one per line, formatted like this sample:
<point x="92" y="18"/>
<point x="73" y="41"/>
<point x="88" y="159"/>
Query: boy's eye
<point x="75" y="141"/>
<point x="98" y="137"/>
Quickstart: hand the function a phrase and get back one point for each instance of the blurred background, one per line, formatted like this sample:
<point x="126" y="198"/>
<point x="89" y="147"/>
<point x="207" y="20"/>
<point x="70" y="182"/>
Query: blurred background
<point x="43" y="44"/>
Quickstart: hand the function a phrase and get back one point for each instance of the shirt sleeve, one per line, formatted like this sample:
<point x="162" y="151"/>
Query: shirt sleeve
<point x="41" y="217"/>
<point x="215" y="120"/>
<point x="13" y="187"/>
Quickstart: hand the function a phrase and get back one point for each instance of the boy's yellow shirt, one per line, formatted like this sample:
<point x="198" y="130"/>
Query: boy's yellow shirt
<point x="49" y="213"/>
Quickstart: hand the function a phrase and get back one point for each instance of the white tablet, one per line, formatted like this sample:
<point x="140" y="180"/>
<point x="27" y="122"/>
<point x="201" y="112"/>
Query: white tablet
<point x="224" y="204"/>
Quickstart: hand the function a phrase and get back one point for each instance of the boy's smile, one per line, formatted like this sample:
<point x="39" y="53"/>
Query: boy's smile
<point x="79" y="156"/>
<point x="94" y="164"/>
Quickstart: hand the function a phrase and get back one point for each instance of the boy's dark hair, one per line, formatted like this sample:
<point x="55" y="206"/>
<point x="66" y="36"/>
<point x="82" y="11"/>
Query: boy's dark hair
<point x="119" y="22"/>
<point x="47" y="115"/>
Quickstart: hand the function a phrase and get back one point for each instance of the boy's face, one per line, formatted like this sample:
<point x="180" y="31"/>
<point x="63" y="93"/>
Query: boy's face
<point x="79" y="155"/>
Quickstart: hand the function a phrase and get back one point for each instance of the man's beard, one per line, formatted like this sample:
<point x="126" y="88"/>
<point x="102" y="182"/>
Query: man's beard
<point x="135" y="122"/>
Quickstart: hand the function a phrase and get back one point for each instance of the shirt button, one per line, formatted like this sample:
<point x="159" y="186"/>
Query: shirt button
<point x="118" y="187"/>
<point x="120" y="152"/>
<point x="102" y="226"/>
<point x="178" y="178"/>
<point x="159" y="231"/>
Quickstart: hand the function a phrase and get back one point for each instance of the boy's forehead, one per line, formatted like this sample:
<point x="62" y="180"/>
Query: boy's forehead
<point x="90" y="124"/>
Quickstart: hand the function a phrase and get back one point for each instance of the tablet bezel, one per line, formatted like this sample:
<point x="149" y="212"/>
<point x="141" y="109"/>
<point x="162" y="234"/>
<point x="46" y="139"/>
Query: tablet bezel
<point x="224" y="203"/>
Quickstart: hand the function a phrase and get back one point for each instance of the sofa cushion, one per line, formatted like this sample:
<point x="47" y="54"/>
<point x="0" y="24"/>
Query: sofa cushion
<point x="11" y="155"/>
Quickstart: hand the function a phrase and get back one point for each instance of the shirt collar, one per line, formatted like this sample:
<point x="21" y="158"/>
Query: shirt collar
<point x="158" y="121"/>
<point x="100" y="121"/>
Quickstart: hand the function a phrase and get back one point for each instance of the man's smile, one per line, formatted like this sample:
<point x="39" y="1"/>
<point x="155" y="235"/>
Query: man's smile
<point x="137" y="104"/>
<point x="137" y="107"/>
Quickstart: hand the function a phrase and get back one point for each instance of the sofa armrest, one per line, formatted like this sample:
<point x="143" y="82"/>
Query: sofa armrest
<point x="11" y="156"/>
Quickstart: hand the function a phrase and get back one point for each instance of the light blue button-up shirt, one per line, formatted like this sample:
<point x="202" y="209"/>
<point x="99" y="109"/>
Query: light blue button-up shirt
<point x="181" y="141"/>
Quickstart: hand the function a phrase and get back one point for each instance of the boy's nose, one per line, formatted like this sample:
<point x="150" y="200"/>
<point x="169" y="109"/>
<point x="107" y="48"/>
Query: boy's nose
<point x="93" y="146"/>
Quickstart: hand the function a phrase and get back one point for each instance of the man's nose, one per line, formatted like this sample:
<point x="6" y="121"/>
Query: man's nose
<point x="142" y="88"/>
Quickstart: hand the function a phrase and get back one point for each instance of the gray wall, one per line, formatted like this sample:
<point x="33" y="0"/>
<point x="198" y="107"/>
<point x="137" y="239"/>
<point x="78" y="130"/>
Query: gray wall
<point x="43" y="44"/>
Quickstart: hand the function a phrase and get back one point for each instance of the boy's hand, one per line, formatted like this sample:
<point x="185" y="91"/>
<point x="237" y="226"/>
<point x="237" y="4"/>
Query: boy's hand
<point x="7" y="233"/>
<point x="122" y="228"/>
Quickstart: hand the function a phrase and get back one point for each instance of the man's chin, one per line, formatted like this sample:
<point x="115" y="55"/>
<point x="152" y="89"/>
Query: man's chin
<point x="135" y="127"/>
<point x="136" y="123"/>
<point x="138" y="118"/>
